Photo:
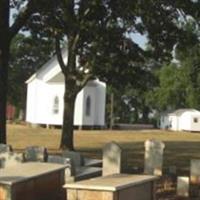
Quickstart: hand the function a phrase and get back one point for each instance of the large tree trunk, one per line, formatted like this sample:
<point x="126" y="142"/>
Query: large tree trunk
<point x="4" y="58"/>
<point x="145" y="114"/>
<point x="71" y="90"/>
<point x="67" y="138"/>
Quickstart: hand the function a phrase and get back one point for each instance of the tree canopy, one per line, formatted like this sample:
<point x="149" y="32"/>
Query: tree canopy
<point x="179" y="85"/>
<point x="97" y="34"/>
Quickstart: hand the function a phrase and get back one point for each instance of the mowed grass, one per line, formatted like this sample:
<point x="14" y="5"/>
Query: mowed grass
<point x="180" y="148"/>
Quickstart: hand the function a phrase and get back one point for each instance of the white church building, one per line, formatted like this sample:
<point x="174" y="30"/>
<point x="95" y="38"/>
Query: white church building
<point x="181" y="120"/>
<point x="45" y="92"/>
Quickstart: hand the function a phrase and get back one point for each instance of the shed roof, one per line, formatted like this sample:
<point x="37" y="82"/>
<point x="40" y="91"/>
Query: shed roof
<point x="179" y="112"/>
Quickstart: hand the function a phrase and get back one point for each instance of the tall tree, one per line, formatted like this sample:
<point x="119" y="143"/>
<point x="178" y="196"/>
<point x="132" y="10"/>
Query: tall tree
<point x="99" y="44"/>
<point x="180" y="81"/>
<point x="7" y="33"/>
<point x="132" y="100"/>
<point x="170" y="94"/>
<point x="179" y="85"/>
<point x="97" y="36"/>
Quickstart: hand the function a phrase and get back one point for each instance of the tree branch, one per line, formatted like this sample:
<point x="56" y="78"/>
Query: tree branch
<point x="59" y="55"/>
<point x="22" y="18"/>
<point x="75" y="41"/>
<point x="86" y="78"/>
<point x="83" y="77"/>
<point x="69" y="17"/>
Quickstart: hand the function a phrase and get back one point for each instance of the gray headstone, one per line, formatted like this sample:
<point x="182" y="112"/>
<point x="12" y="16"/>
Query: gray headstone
<point x="1" y="162"/>
<point x="153" y="157"/>
<point x="5" y="148"/>
<point x="112" y="154"/>
<point x="10" y="159"/>
<point x="183" y="186"/>
<point x="172" y="170"/>
<point x="76" y="157"/>
<point x="195" y="171"/>
<point x="35" y="153"/>
<point x="70" y="169"/>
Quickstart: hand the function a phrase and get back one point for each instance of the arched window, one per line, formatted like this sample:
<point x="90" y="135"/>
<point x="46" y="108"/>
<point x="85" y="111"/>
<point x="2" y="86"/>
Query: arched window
<point x="56" y="105"/>
<point x="88" y="106"/>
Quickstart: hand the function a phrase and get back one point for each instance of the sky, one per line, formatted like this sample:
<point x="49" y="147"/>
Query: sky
<point x="141" y="40"/>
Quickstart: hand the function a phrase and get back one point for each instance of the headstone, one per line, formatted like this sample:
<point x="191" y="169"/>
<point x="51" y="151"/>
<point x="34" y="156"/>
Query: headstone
<point x="195" y="172"/>
<point x="5" y="148"/>
<point x="153" y="157"/>
<point x="112" y="154"/>
<point x="172" y="170"/>
<point x="70" y="169"/>
<point x="10" y="158"/>
<point x="76" y="157"/>
<point x="35" y="153"/>
<point x="1" y="163"/>
<point x="183" y="186"/>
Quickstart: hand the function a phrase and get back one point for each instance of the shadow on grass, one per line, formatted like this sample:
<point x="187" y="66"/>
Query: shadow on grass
<point x="176" y="153"/>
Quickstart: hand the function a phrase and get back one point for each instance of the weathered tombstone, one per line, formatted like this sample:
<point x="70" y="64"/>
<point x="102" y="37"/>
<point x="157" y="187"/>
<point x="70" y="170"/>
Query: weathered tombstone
<point x="70" y="168"/>
<point x="153" y="157"/>
<point x="112" y="154"/>
<point x="10" y="158"/>
<point x="183" y="186"/>
<point x="195" y="172"/>
<point x="76" y="157"/>
<point x="35" y="153"/>
<point x="172" y="170"/>
<point x="1" y="163"/>
<point x="5" y="148"/>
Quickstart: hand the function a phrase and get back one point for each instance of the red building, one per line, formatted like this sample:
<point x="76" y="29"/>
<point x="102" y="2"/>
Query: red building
<point x="10" y="112"/>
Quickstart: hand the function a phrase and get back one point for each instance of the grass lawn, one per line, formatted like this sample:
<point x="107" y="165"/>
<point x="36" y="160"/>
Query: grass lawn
<point x="180" y="146"/>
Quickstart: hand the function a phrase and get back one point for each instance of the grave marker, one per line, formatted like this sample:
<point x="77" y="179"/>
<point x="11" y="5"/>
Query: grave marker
<point x="112" y="154"/>
<point x="195" y="171"/>
<point x="10" y="159"/>
<point x="5" y="148"/>
<point x="183" y="186"/>
<point x="153" y="157"/>
<point x="35" y="153"/>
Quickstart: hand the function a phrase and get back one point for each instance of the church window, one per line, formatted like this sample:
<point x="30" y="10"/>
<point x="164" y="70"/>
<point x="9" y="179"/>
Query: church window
<point x="88" y="106"/>
<point x="56" y="105"/>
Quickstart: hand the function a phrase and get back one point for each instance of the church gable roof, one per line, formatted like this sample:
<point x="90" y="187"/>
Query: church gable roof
<point x="49" y="70"/>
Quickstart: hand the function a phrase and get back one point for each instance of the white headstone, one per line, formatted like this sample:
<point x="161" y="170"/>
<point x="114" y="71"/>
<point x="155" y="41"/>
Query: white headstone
<point x="153" y="157"/>
<point x="183" y="186"/>
<point x="10" y="159"/>
<point x="195" y="171"/>
<point x="112" y="159"/>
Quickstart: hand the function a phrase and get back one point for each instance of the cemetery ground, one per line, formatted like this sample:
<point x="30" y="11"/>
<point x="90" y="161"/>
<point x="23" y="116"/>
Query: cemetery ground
<point x="180" y="148"/>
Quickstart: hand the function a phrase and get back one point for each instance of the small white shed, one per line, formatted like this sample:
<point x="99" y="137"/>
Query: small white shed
<point x="181" y="120"/>
<point x="45" y="92"/>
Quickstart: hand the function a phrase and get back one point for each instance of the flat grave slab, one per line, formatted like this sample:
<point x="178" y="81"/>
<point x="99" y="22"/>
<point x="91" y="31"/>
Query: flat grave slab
<point x="113" y="187"/>
<point x="29" y="181"/>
